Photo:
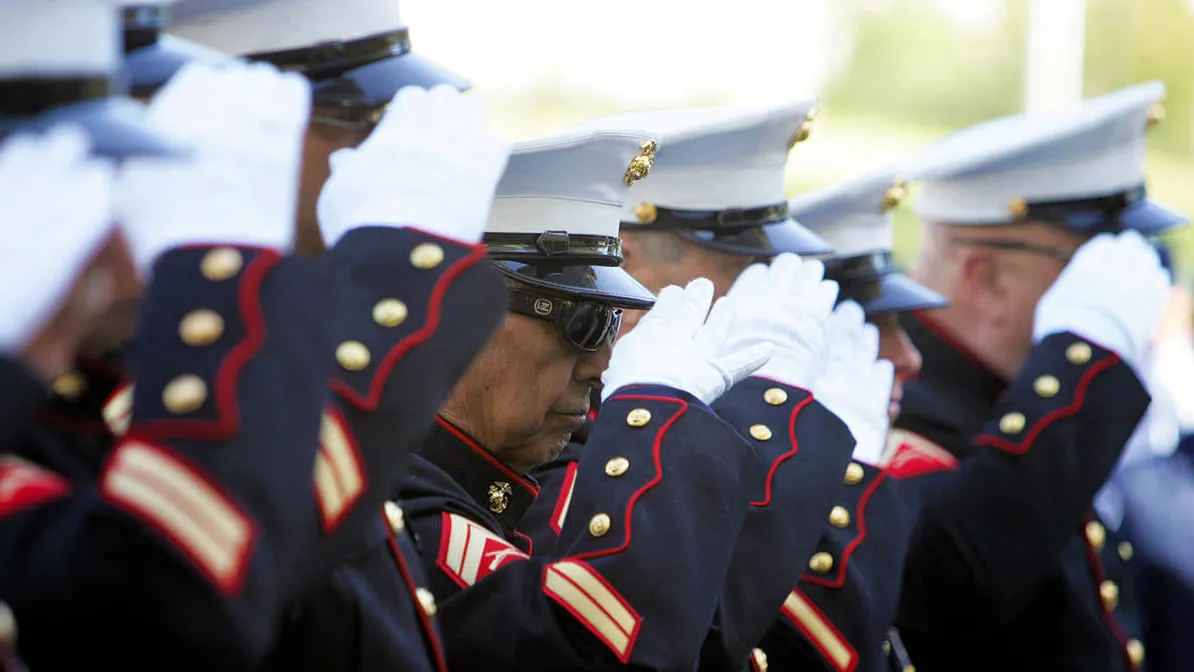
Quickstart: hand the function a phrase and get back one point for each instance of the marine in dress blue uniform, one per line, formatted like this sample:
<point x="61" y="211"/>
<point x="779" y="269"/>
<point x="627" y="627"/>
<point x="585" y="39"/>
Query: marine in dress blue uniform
<point x="1007" y="566"/>
<point x="413" y="310"/>
<point x="618" y="588"/>
<point x="718" y="184"/>
<point x="839" y="614"/>
<point x="176" y="553"/>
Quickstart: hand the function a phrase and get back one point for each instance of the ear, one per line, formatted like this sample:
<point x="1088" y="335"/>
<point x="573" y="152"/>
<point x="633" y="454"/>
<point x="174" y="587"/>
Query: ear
<point x="981" y="276"/>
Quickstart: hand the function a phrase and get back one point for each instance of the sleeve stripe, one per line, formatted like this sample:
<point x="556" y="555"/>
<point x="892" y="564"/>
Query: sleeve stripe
<point x="118" y="411"/>
<point x="820" y="632"/>
<point x="565" y="499"/>
<point x="579" y="589"/>
<point x="469" y="552"/>
<point x="201" y="521"/>
<point x="339" y="477"/>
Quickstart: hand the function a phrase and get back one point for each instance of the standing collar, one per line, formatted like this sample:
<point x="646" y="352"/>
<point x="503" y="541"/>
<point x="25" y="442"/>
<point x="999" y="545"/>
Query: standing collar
<point x="492" y="484"/>
<point x="950" y="365"/>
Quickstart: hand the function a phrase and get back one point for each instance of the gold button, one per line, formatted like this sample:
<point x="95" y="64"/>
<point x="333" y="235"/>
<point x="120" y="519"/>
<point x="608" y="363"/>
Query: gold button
<point x="617" y="466"/>
<point x="8" y="626"/>
<point x="1109" y="592"/>
<point x="821" y="562"/>
<point x="184" y="394"/>
<point x="221" y="263"/>
<point x="395" y="517"/>
<point x="760" y="659"/>
<point x="1135" y="651"/>
<point x="1125" y="550"/>
<point x="426" y="256"/>
<point x="599" y="525"/>
<point x="201" y="327"/>
<point x="1096" y="534"/>
<point x="761" y="432"/>
<point x="1012" y="423"/>
<point x="775" y="396"/>
<point x="839" y="516"/>
<point x="426" y="601"/>
<point x="1046" y="386"/>
<point x="352" y="355"/>
<point x="639" y="417"/>
<point x="390" y="312"/>
<point x="854" y="473"/>
<point x="69" y="385"/>
<point x="1079" y="353"/>
<point x="886" y="648"/>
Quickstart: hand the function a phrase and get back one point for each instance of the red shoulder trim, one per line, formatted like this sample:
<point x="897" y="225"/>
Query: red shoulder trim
<point x="421" y="335"/>
<point x="1074" y="406"/>
<point x="24" y="484"/>
<point x="909" y="455"/>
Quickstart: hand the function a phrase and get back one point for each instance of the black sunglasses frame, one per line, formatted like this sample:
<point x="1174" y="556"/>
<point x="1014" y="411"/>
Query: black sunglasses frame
<point x="586" y="325"/>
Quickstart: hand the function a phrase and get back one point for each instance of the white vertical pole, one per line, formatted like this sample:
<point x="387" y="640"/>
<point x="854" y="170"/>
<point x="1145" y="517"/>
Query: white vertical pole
<point x="1056" y="47"/>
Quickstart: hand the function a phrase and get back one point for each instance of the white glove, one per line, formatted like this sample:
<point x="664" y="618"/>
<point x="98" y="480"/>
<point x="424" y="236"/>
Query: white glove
<point x="856" y="385"/>
<point x="56" y="205"/>
<point x="1112" y="293"/>
<point x="240" y="186"/>
<point x="675" y="345"/>
<point x="431" y="164"/>
<point x="785" y="305"/>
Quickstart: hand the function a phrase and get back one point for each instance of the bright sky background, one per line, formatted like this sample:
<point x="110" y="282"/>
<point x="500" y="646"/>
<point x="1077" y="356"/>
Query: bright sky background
<point x="639" y="53"/>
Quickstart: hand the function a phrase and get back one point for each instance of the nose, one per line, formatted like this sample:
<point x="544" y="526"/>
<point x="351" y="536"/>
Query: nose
<point x="591" y="365"/>
<point x="905" y="356"/>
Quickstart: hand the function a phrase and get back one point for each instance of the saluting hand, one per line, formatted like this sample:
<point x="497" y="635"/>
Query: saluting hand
<point x="1112" y="292"/>
<point x="57" y="205"/>
<point x="240" y="186"/>
<point x="856" y="384"/>
<point x="680" y="343"/>
<point x="786" y="304"/>
<point x="431" y="164"/>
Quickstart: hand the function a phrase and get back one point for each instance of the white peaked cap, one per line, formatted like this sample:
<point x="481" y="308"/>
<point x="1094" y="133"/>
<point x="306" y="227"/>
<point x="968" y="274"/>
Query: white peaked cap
<point x="575" y="181"/>
<point x="254" y="26"/>
<point x="715" y="158"/>
<point x="60" y="38"/>
<point x="981" y="175"/>
<point x="854" y="216"/>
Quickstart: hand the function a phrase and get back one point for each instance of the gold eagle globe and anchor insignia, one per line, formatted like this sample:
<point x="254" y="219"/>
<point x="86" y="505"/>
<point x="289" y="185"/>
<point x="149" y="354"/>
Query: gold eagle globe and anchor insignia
<point x="805" y="130"/>
<point x="499" y="496"/>
<point x="640" y="165"/>
<point x="895" y="194"/>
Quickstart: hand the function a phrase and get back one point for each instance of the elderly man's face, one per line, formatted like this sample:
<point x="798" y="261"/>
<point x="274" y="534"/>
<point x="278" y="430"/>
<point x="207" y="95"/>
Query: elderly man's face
<point x="527" y="392"/>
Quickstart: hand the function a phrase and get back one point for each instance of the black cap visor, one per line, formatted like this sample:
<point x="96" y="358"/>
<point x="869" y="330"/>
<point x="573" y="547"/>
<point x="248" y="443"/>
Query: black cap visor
<point x="609" y="285"/>
<point x="117" y="126"/>
<point x="874" y="282"/>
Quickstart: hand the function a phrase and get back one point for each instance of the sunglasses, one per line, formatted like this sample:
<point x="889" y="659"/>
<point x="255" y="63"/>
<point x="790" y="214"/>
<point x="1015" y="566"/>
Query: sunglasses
<point x="587" y="325"/>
